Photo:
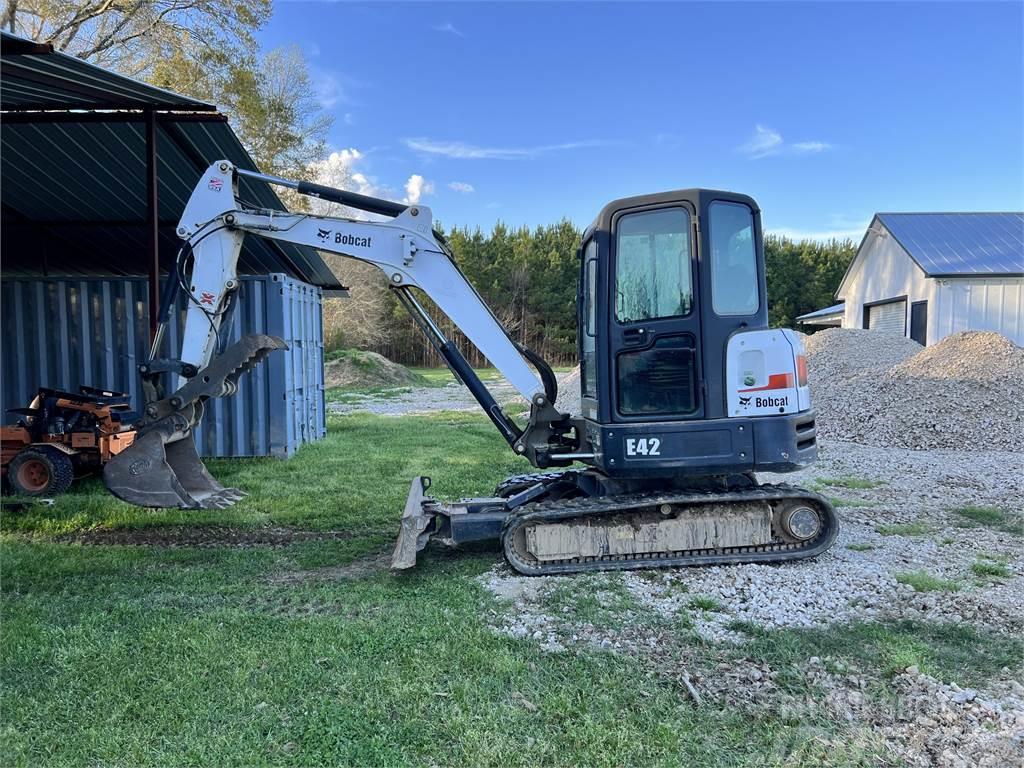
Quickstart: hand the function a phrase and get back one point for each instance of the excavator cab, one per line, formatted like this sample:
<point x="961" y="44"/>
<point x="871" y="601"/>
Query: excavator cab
<point x="673" y="321"/>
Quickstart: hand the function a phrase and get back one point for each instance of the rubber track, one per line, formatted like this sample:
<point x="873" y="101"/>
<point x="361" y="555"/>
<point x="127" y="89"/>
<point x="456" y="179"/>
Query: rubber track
<point x="556" y="511"/>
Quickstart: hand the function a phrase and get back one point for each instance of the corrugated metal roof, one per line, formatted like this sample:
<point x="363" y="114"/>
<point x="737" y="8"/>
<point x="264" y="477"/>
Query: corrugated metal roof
<point x="835" y="309"/>
<point x="34" y="76"/>
<point x="74" y="196"/>
<point x="960" y="244"/>
<point x="74" y="182"/>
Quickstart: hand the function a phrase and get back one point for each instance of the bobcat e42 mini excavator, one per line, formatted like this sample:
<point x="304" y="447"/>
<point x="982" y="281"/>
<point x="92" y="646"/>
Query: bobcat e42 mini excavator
<point x="685" y="391"/>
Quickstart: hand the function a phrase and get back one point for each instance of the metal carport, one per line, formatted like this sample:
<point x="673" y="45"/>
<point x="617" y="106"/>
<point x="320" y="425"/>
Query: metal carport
<point x="96" y="169"/>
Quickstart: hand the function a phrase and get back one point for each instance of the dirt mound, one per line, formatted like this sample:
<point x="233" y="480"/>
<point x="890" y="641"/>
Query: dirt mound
<point x="963" y="393"/>
<point x="356" y="368"/>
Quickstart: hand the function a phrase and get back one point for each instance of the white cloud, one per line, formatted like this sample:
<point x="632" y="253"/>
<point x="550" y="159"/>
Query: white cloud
<point x="340" y="170"/>
<point x="328" y="87"/>
<point x="767" y="141"/>
<point x="460" y="150"/>
<point x="461" y="187"/>
<point x="416" y="187"/>
<point x="448" y="27"/>
<point x="811" y="146"/>
<point x="349" y="119"/>
<point x="669" y="140"/>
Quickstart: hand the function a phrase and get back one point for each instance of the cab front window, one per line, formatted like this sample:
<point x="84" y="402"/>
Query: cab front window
<point x="652" y="272"/>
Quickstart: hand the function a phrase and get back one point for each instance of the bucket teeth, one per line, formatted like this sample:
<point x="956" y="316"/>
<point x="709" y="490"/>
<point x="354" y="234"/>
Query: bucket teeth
<point x="161" y="468"/>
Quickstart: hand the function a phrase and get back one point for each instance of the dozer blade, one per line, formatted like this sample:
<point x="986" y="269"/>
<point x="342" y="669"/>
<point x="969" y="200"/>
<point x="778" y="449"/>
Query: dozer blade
<point x="413" y="535"/>
<point x="161" y="468"/>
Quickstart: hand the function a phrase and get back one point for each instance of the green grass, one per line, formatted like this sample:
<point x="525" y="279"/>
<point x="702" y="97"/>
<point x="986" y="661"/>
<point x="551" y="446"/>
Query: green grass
<point x="838" y="502"/>
<point x="947" y="651"/>
<point x="594" y="599"/>
<point x="923" y="581"/>
<point x="356" y="480"/>
<point x="860" y="546"/>
<point x="168" y="658"/>
<point x="706" y="603"/>
<point x="850" y="481"/>
<point x="988" y="566"/>
<point x="916" y="528"/>
<point x="991" y="517"/>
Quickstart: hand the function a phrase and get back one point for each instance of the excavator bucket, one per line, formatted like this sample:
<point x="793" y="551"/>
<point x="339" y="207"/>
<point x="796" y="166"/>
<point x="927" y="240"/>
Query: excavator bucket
<point x="152" y="473"/>
<point x="161" y="468"/>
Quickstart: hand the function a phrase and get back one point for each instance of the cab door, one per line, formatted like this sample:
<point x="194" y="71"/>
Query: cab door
<point x="588" y="318"/>
<point x="654" y="324"/>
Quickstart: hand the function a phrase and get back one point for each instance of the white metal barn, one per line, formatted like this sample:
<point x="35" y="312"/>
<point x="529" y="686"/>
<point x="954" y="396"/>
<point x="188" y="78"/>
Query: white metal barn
<point x="927" y="275"/>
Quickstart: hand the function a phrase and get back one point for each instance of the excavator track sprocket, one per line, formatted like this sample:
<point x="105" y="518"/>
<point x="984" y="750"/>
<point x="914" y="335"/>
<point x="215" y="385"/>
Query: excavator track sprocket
<point x="761" y="524"/>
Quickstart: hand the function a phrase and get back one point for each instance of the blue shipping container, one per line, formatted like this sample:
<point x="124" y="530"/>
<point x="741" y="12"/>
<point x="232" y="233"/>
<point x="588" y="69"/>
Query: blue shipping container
<point x="66" y="332"/>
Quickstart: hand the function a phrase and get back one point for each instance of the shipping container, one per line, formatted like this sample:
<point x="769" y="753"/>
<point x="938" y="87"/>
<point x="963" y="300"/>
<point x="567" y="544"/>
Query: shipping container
<point x="66" y="332"/>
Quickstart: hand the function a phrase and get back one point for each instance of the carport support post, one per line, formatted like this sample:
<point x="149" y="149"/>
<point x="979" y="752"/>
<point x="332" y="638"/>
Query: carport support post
<point x="152" y="223"/>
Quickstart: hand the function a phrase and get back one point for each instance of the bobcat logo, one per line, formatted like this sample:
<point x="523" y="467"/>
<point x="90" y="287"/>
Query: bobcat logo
<point x="138" y="467"/>
<point x="323" y="234"/>
<point x="744" y="401"/>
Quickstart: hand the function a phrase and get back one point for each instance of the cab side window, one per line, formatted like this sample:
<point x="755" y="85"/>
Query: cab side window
<point x="734" y="282"/>
<point x="588" y="364"/>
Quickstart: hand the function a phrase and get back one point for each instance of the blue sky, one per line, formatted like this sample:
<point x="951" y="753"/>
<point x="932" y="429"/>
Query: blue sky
<point x="825" y="113"/>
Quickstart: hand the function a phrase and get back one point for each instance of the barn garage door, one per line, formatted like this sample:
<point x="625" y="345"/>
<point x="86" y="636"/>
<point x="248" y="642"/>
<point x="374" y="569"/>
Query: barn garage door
<point x="890" y="317"/>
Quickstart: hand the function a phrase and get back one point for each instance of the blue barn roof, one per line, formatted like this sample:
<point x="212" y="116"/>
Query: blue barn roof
<point x="960" y="244"/>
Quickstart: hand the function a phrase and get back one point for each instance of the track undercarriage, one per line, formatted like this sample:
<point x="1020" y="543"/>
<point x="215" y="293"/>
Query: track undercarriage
<point x="568" y="522"/>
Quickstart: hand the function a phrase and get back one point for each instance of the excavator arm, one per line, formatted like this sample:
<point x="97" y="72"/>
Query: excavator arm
<point x="165" y="470"/>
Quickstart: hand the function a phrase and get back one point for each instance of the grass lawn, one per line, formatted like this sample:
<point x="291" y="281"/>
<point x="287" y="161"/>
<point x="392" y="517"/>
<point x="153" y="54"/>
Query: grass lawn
<point x="134" y="655"/>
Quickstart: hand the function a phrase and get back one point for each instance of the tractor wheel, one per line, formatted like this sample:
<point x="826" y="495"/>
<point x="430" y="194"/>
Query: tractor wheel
<point x="40" y="472"/>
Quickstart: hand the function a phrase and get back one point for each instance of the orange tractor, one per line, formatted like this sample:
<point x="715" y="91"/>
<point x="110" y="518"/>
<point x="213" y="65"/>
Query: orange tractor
<point x="61" y="435"/>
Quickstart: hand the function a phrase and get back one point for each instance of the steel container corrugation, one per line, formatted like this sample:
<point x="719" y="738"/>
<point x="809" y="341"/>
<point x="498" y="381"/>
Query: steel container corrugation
<point x="65" y="332"/>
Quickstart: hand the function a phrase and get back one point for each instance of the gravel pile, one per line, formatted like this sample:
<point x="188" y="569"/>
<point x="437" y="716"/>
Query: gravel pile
<point x="569" y="392"/>
<point x="963" y="393"/>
